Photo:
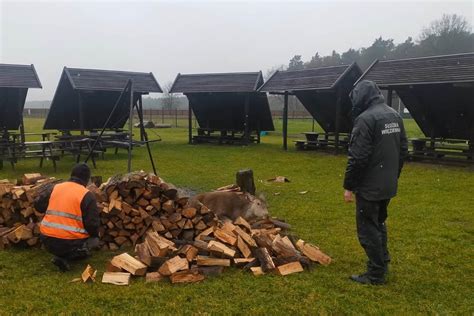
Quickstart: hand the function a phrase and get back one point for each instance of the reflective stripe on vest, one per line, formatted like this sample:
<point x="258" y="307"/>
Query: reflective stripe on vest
<point x="63" y="218"/>
<point x="64" y="214"/>
<point x="65" y="227"/>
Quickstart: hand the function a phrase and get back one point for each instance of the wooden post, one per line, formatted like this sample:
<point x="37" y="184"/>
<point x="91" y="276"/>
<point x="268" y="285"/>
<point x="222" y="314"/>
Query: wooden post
<point x="246" y="118"/>
<point x="81" y="112"/>
<point x="285" y="121"/>
<point x="130" y="130"/>
<point x="20" y="110"/>
<point x="190" y="123"/>
<point x="338" y="118"/>
<point x="140" y="117"/>
<point x="312" y="129"/>
<point x="389" y="97"/>
<point x="244" y="179"/>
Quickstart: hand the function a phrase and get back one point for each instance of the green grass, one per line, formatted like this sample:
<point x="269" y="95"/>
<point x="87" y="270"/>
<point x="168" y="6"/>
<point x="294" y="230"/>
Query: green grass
<point x="431" y="229"/>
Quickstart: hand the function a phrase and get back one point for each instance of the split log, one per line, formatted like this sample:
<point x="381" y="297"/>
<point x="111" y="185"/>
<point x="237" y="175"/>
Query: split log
<point x="313" y="252"/>
<point x="153" y="277"/>
<point x="209" y="261"/>
<point x="173" y="265"/>
<point x="116" y="278"/>
<point x="265" y="259"/>
<point x="130" y="264"/>
<point x="187" y="276"/>
<point x="289" y="268"/>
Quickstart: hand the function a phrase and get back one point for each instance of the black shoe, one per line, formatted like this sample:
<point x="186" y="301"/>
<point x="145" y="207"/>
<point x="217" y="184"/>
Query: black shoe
<point x="366" y="279"/>
<point x="61" y="264"/>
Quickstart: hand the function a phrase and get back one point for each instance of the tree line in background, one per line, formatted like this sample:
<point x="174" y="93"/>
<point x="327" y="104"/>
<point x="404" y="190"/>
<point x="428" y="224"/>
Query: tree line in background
<point x="450" y="34"/>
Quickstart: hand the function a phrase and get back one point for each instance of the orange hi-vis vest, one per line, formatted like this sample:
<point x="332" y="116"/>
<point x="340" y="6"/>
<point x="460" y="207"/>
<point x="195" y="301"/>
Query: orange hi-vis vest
<point x="63" y="218"/>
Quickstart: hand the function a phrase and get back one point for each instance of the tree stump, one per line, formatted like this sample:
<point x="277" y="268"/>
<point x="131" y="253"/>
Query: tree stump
<point x="244" y="179"/>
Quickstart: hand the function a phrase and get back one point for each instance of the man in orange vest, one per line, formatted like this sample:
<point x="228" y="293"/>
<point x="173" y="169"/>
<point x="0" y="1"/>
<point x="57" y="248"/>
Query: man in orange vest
<point x="70" y="227"/>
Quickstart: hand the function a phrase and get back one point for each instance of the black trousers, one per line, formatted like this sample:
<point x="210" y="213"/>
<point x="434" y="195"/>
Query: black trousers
<point x="372" y="234"/>
<point x="67" y="249"/>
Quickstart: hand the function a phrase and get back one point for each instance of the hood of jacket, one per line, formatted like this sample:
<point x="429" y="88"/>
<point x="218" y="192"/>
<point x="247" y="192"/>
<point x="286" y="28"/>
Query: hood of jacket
<point x="364" y="95"/>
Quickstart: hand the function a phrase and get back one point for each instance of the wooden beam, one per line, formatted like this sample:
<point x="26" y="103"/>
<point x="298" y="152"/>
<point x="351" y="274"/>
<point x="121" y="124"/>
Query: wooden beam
<point x="337" y="118"/>
<point x="285" y="122"/>
<point x="389" y="97"/>
<point x="130" y="129"/>
<point x="190" y="122"/>
<point x="246" y="118"/>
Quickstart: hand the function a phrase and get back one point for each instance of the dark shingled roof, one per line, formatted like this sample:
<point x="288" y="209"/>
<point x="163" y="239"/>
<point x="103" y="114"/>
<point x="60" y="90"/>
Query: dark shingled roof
<point x="111" y="80"/>
<point x="424" y="70"/>
<point x="306" y="79"/>
<point x="18" y="76"/>
<point x="217" y="82"/>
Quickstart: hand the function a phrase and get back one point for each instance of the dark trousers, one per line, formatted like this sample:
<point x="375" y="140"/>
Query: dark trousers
<point x="372" y="234"/>
<point x="66" y="249"/>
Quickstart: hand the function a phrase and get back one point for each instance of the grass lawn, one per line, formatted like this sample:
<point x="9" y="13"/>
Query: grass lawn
<point x="431" y="230"/>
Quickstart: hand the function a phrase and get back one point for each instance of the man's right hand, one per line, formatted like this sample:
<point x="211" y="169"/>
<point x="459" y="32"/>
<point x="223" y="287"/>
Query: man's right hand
<point x="348" y="196"/>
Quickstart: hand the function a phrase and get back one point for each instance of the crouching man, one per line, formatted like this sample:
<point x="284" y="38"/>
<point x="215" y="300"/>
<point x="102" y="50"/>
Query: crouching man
<point x="69" y="229"/>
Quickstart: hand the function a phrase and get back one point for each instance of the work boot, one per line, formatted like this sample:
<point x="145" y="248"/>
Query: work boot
<point x="62" y="264"/>
<point x="366" y="279"/>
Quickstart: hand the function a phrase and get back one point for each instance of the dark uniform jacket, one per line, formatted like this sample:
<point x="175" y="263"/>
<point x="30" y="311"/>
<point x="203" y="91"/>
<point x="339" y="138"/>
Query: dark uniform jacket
<point x="378" y="145"/>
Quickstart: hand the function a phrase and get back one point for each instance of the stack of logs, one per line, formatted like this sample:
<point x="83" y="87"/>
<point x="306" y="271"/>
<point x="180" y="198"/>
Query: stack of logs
<point x="170" y="238"/>
<point x="186" y="243"/>
<point x="18" y="216"/>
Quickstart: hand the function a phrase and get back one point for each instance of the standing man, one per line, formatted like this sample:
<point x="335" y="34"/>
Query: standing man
<point x="377" y="149"/>
<point x="70" y="227"/>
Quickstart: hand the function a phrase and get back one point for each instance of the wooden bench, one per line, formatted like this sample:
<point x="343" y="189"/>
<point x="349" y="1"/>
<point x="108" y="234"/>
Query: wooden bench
<point x="44" y="150"/>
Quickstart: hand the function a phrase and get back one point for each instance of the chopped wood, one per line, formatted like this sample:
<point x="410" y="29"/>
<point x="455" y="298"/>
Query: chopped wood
<point x="244" y="249"/>
<point x="187" y="276"/>
<point x="246" y="237"/>
<point x="211" y="270"/>
<point x="189" y="212"/>
<point x="129" y="263"/>
<point x="221" y="248"/>
<point x="242" y="222"/>
<point x="173" y="265"/>
<point x="289" y="268"/>
<point x="117" y="278"/>
<point x="209" y="261"/>
<point x="153" y="277"/>
<point x="313" y="252"/>
<point x="239" y="261"/>
<point x="88" y="274"/>
<point x="265" y="259"/>
<point x="225" y="236"/>
<point x="257" y="271"/>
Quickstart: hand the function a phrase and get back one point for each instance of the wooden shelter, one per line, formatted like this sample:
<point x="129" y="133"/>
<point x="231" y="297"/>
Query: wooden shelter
<point x="15" y="80"/>
<point x="227" y="106"/>
<point x="324" y="92"/>
<point x="439" y="93"/>
<point x="84" y="98"/>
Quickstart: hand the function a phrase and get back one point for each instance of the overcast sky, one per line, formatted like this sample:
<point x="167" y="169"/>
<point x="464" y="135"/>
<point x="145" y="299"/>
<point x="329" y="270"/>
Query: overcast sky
<point x="167" y="37"/>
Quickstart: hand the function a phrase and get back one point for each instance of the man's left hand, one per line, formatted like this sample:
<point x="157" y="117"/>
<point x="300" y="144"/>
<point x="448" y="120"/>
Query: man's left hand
<point x="348" y="196"/>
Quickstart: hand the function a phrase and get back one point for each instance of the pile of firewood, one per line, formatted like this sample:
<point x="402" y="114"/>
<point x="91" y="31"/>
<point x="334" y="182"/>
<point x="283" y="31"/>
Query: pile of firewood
<point x="186" y="243"/>
<point x="18" y="216"/>
<point x="169" y="237"/>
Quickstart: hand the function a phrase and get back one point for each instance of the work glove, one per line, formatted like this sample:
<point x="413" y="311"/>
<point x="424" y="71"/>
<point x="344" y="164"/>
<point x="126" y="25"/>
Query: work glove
<point x="93" y="243"/>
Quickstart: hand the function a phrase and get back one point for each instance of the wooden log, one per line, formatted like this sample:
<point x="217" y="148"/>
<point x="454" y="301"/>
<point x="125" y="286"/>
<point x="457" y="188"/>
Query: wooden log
<point x="187" y="276"/>
<point x="246" y="237"/>
<point x="243" y="223"/>
<point x="225" y="236"/>
<point x="109" y="267"/>
<point x="88" y="274"/>
<point x="208" y="261"/>
<point x="221" y="248"/>
<point x="257" y="271"/>
<point x="211" y="270"/>
<point x="265" y="259"/>
<point x="173" y="265"/>
<point x="313" y="252"/>
<point x="282" y="248"/>
<point x="189" y="212"/>
<point x="153" y="277"/>
<point x="190" y="252"/>
<point x="289" y="268"/>
<point x="244" y="249"/>
<point x="31" y="178"/>
<point x="116" y="278"/>
<point x="129" y="263"/>
<point x="244" y="179"/>
<point x="240" y="261"/>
